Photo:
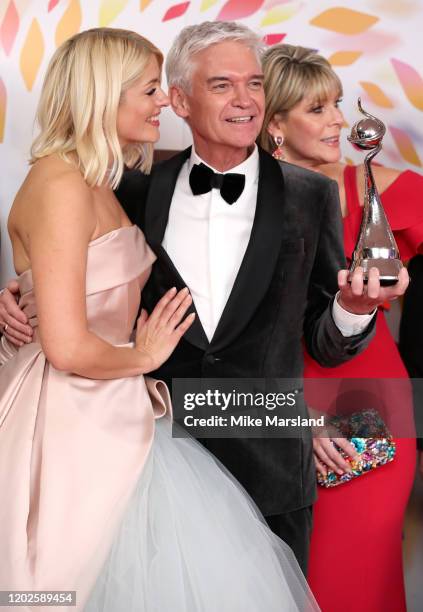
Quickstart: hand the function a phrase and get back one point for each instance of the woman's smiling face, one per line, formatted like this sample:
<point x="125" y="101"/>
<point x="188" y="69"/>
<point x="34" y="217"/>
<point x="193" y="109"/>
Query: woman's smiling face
<point x="311" y="131"/>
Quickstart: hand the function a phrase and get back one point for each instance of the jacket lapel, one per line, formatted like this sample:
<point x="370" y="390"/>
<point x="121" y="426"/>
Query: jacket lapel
<point x="260" y="258"/>
<point x="162" y="185"/>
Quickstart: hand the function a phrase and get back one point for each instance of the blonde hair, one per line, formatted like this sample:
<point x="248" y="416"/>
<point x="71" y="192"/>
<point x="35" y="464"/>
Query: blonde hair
<point x="290" y="73"/>
<point x="77" y="112"/>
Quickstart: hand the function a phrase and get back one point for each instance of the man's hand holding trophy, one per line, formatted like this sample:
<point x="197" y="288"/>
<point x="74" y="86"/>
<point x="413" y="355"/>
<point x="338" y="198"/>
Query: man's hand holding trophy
<point x="376" y="271"/>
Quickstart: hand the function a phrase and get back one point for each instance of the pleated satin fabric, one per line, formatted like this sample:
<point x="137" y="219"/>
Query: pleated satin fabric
<point x="71" y="448"/>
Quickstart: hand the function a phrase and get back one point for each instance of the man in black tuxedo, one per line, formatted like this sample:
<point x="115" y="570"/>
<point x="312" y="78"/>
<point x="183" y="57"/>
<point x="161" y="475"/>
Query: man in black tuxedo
<point x="259" y="244"/>
<point x="261" y="263"/>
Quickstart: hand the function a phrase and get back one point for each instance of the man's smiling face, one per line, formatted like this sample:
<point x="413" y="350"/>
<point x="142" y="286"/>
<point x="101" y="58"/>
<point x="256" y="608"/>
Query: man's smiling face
<point x="225" y="106"/>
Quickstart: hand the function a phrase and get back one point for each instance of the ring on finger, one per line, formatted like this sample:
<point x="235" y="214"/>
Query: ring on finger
<point x="5" y="327"/>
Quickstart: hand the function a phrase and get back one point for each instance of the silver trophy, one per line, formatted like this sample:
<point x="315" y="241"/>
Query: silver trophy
<point x="376" y="246"/>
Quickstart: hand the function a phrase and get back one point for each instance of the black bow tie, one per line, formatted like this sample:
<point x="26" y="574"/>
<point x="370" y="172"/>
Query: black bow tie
<point x="202" y="179"/>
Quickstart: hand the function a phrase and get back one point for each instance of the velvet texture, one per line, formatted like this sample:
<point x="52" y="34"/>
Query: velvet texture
<point x="411" y="338"/>
<point x="283" y="290"/>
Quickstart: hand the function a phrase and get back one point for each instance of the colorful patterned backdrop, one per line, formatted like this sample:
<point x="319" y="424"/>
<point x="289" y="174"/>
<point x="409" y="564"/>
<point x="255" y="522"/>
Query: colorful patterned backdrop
<point x="375" y="46"/>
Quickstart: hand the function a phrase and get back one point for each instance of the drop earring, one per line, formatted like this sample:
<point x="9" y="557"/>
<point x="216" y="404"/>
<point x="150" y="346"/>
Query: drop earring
<point x="278" y="152"/>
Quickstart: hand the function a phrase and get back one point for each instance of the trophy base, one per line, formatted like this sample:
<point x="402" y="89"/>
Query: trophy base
<point x="388" y="270"/>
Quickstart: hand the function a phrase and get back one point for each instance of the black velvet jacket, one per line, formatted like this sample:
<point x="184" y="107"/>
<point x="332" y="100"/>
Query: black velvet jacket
<point x="282" y="293"/>
<point x="411" y="339"/>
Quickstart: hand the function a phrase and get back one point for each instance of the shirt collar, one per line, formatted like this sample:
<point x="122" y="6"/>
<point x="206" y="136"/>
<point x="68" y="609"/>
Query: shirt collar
<point x="249" y="167"/>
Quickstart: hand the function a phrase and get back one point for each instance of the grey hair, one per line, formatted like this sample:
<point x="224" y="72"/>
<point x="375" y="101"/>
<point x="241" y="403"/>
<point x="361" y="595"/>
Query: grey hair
<point x="193" y="39"/>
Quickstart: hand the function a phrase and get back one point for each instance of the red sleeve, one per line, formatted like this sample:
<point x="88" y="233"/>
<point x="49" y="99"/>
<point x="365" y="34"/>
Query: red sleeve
<point x="403" y="204"/>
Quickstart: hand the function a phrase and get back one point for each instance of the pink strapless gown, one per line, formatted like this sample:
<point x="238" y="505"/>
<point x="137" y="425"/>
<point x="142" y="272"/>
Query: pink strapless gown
<point x="87" y="507"/>
<point x="71" y="448"/>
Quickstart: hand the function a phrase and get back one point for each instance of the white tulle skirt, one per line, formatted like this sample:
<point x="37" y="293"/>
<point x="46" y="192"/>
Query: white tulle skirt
<point x="193" y="541"/>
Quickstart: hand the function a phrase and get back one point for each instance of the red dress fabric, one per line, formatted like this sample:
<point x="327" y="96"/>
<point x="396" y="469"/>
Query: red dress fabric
<point x="356" y="546"/>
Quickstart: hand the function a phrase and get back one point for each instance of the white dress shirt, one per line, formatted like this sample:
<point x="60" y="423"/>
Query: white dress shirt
<point x="206" y="238"/>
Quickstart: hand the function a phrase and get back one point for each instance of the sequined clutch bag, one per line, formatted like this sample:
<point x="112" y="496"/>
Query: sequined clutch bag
<point x="372" y="440"/>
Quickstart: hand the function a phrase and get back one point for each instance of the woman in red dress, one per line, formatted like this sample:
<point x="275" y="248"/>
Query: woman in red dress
<point x="356" y="548"/>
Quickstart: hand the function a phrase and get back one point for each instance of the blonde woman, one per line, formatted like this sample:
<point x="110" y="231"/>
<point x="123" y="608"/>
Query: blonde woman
<point x="356" y="558"/>
<point x="90" y="499"/>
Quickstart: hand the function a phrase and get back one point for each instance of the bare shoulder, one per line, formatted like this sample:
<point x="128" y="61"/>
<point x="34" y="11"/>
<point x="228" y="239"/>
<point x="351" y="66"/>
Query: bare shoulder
<point x="384" y="177"/>
<point x="57" y="180"/>
<point x="53" y="189"/>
